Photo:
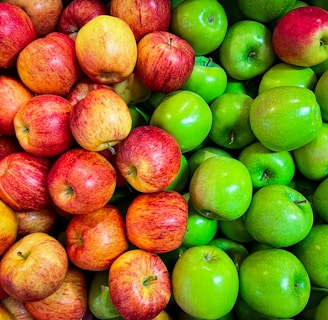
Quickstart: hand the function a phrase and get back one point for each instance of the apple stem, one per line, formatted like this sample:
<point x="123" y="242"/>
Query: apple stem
<point x="148" y="280"/>
<point x="232" y="137"/>
<point x="20" y="254"/>
<point x="300" y="201"/>
<point x="111" y="149"/>
<point x="251" y="54"/>
<point x="170" y="41"/>
<point x="208" y="61"/>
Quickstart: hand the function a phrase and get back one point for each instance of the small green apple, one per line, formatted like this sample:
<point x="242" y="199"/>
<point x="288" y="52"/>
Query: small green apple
<point x="321" y="94"/>
<point x="181" y="180"/>
<point x="139" y="116"/>
<point x="320" y="199"/>
<point x="235" y="230"/>
<point x="321" y="312"/>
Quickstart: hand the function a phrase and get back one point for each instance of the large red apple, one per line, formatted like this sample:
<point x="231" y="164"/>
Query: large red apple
<point x="81" y="181"/>
<point x="42" y="125"/>
<point x="16" y="32"/>
<point x="49" y="64"/>
<point x="9" y="145"/>
<point x="139" y="285"/>
<point x="95" y="240"/>
<point x="149" y="158"/>
<point x="300" y="36"/>
<point x="100" y="120"/>
<point x="16" y="308"/>
<point x="143" y="16"/>
<point x="69" y="302"/>
<point x="157" y="221"/>
<point x="23" y="181"/>
<point x="77" y="13"/>
<point x="33" y="267"/>
<point x="165" y="61"/>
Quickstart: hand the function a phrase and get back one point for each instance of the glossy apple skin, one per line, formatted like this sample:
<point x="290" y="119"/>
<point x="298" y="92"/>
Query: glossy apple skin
<point x="23" y="181"/>
<point x="165" y="61"/>
<point x="49" y="65"/>
<point x="320" y="200"/>
<point x="16" y="32"/>
<point x="42" y="125"/>
<point x="14" y="93"/>
<point x="149" y="171"/>
<point x="143" y="16"/>
<point x="139" y="285"/>
<point x="9" y="227"/>
<point x="43" y="257"/>
<point x="299" y="37"/>
<point x="81" y="181"/>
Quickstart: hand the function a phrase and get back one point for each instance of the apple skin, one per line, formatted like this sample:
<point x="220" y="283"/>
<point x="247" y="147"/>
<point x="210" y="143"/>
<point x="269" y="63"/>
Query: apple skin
<point x="42" y="125"/>
<point x="143" y="16"/>
<point x="157" y="221"/>
<point x="320" y="201"/>
<point x="165" y="61"/>
<point x="77" y="13"/>
<point x="14" y="93"/>
<point x="9" y="145"/>
<point x="43" y="258"/>
<point x="149" y="171"/>
<point x="69" y="301"/>
<point x="235" y="230"/>
<point x="17" y="31"/>
<point x="81" y="181"/>
<point x="23" y="181"/>
<point x="49" y="65"/>
<point x="322" y="95"/>
<point x="100" y="120"/>
<point x="139" y="285"/>
<point x="5" y="314"/>
<point x="16" y="308"/>
<point x="299" y="39"/>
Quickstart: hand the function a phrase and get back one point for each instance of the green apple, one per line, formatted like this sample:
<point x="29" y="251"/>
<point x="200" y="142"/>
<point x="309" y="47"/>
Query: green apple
<point x="175" y="3"/>
<point x="139" y="116"/>
<point x="202" y="23"/>
<point x="274" y="283"/>
<point x="283" y="74"/>
<point x="285" y="118"/>
<point x="205" y="282"/>
<point x="320" y="200"/>
<point x="208" y="79"/>
<point x="181" y="180"/>
<point x="230" y="121"/>
<point x="154" y="99"/>
<point x="246" y="50"/>
<point x="221" y="188"/>
<point x="185" y="316"/>
<point x="312" y="159"/>
<point x="321" y="312"/>
<point x="321" y="94"/>
<point x="267" y="167"/>
<point x="185" y="115"/>
<point x="313" y="253"/>
<point x="320" y="68"/>
<point x="235" y="86"/>
<point x="279" y="216"/>
<point x="235" y="230"/>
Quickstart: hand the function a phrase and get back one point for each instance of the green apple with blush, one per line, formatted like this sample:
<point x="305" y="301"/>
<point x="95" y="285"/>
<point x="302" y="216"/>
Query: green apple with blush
<point x="321" y="94"/>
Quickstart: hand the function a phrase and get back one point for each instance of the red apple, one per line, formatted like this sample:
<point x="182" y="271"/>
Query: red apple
<point x="13" y="94"/>
<point x="16" y="32"/>
<point x="43" y="14"/>
<point x="81" y="181"/>
<point x="9" y="145"/>
<point x="33" y="267"/>
<point x="3" y="293"/>
<point x="143" y="16"/>
<point x="69" y="302"/>
<point x="149" y="158"/>
<point x="165" y="61"/>
<point x="16" y="308"/>
<point x="23" y="181"/>
<point x="42" y="125"/>
<point x="300" y="36"/>
<point x="157" y="221"/>
<point x="100" y="120"/>
<point x="139" y="285"/>
<point x="77" y="13"/>
<point x="49" y="64"/>
<point x="95" y="240"/>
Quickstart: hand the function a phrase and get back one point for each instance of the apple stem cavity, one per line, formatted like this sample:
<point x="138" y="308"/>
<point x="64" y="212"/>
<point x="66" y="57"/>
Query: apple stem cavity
<point x="147" y="281"/>
<point x="232" y="137"/>
<point x="209" y="60"/>
<point x="251" y="54"/>
<point x="24" y="256"/>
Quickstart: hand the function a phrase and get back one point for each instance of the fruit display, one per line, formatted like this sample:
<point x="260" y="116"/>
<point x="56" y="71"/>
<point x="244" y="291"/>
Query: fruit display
<point x="163" y="160"/>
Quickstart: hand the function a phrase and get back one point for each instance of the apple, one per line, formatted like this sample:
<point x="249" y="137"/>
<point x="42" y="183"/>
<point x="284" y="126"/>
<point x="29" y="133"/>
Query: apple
<point x="81" y="181"/>
<point x="77" y="13"/>
<point x="17" y="31"/>
<point x="143" y="16"/>
<point x="274" y="282"/>
<point x="165" y="61"/>
<point x="321" y="311"/>
<point x="163" y="315"/>
<point x="157" y="221"/>
<point x="42" y="125"/>
<point x="49" y="65"/>
<point x="235" y="230"/>
<point x="182" y="179"/>
<point x="278" y="114"/>
<point x="321" y="94"/>
<point x="100" y="120"/>
<point x="205" y="282"/>
<point x="23" y="181"/>
<point x="106" y="49"/>
<point x="299" y="36"/>
<point x="16" y="308"/>
<point x="139" y="285"/>
<point x="69" y="301"/>
<point x="14" y="93"/>
<point x="149" y="158"/>
<point x="246" y="51"/>
<point x="9" y="145"/>
<point x="203" y="25"/>
<point x="320" y="201"/>
<point x="5" y="314"/>
<point x="40" y="256"/>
